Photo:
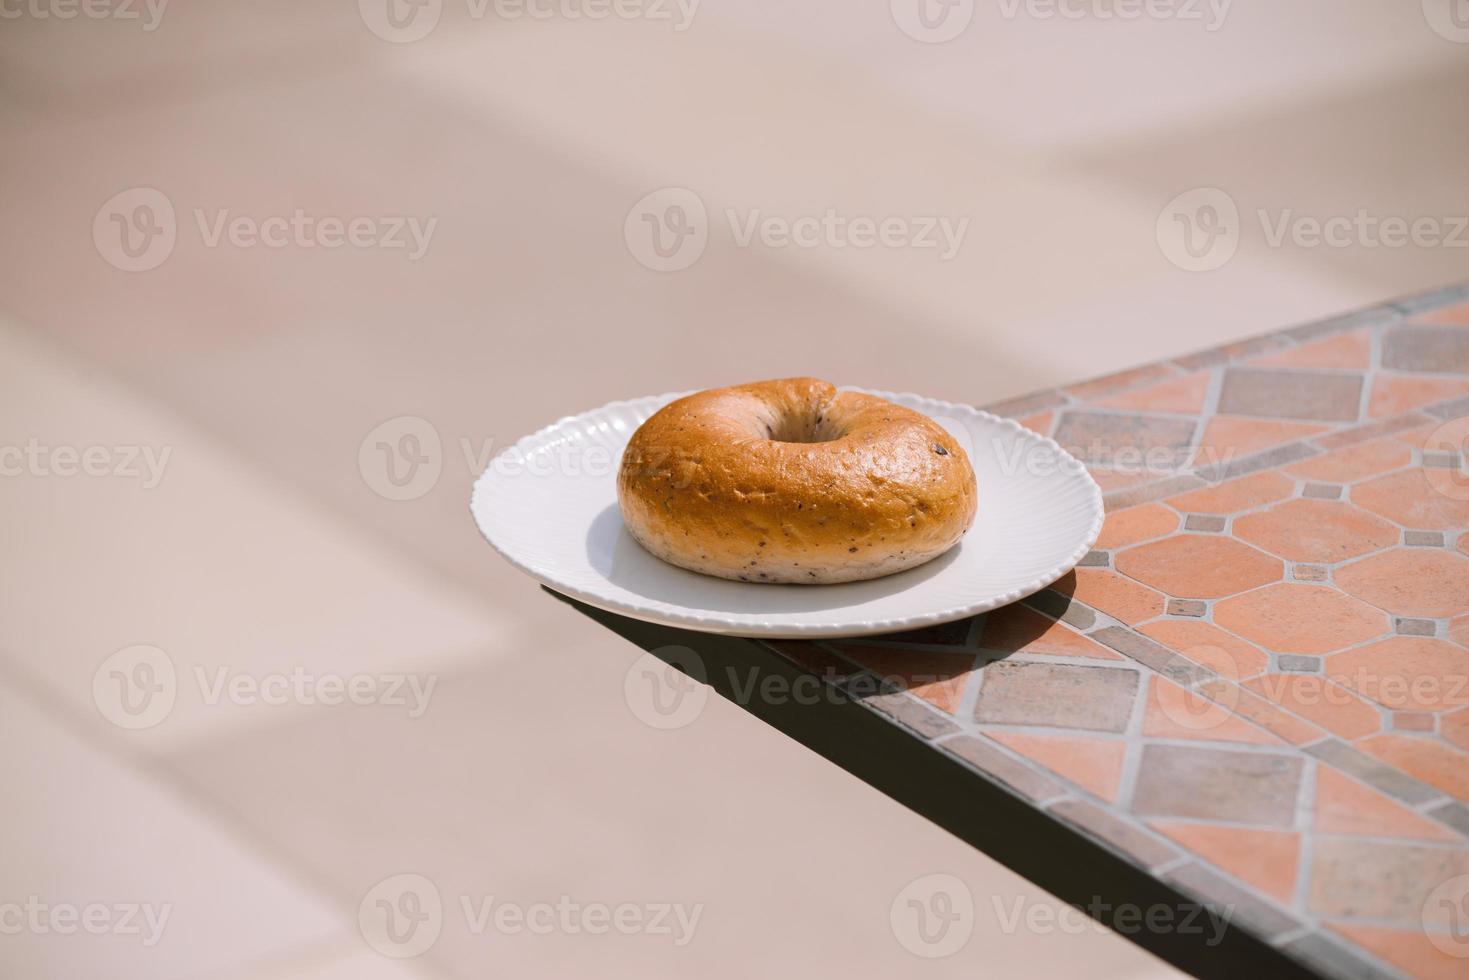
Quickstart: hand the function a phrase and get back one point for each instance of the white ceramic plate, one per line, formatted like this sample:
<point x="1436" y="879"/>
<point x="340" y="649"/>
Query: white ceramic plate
<point x="549" y="505"/>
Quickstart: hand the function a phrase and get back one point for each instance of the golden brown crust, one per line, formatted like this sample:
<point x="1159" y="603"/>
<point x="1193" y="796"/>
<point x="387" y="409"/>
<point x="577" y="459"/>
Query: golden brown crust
<point x="793" y="481"/>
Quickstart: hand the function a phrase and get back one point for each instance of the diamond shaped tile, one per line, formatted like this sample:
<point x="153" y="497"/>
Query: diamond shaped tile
<point x="1291" y="394"/>
<point x="1434" y="763"/>
<point x="1345" y="806"/>
<point x="1353" y="878"/>
<point x="1092" y="763"/>
<point x="1346" y="350"/>
<point x="1455" y="727"/>
<point x="1257" y="788"/>
<point x="1057" y="695"/>
<point x="1175" y="713"/>
<point x="1266" y="859"/>
<point x="1393" y="394"/>
<point x="1185" y="395"/>
<point x="1407" y="949"/>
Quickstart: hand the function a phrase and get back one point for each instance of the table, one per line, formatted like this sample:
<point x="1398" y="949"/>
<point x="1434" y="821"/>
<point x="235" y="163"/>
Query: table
<point x="1254" y="693"/>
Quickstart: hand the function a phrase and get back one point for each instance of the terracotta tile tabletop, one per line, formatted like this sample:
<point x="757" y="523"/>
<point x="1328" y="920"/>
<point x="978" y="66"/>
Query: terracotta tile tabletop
<point x="1255" y="692"/>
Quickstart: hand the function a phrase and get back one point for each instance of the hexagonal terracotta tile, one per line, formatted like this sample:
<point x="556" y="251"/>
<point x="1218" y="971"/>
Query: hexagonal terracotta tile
<point x="1408" y="498"/>
<point x="1417" y="582"/>
<point x="1199" y="566"/>
<point x="1114" y="595"/>
<point x="1355" y="462"/>
<point x="1235" y="495"/>
<point x="1294" y="618"/>
<point x="1406" y="673"/>
<point x="1325" y="531"/>
<point x="1125" y="527"/>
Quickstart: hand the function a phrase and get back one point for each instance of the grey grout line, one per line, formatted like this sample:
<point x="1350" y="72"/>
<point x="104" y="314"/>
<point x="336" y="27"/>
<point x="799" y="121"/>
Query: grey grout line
<point x="1305" y="821"/>
<point x="1187" y="857"/>
<point x="1132" y="760"/>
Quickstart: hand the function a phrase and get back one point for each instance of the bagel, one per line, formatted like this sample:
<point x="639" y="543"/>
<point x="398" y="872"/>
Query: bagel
<point x="793" y="481"/>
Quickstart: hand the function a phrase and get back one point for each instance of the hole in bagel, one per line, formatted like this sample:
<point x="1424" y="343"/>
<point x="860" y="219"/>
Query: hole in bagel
<point x="802" y="427"/>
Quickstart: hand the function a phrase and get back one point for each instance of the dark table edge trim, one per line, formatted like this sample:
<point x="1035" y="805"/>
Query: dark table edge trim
<point x="990" y="817"/>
